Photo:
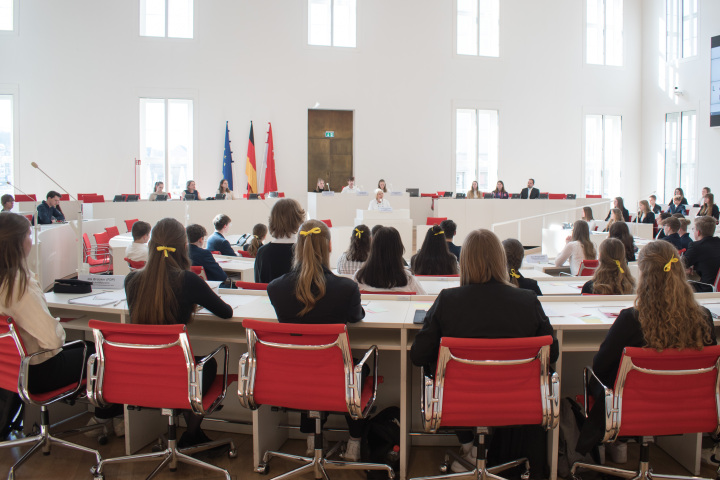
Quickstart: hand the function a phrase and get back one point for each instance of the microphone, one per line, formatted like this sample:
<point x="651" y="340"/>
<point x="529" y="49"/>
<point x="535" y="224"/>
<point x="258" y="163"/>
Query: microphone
<point x="35" y="165"/>
<point x="16" y="188"/>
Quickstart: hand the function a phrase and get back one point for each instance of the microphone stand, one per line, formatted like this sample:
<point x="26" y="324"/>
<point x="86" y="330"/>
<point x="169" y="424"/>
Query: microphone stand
<point x="35" y="227"/>
<point x="82" y="267"/>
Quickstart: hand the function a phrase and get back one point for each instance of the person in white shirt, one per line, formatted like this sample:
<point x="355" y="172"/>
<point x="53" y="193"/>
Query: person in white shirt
<point x="350" y="187"/>
<point x="578" y="248"/>
<point x="224" y="189"/>
<point x="378" y="202"/>
<point x="138" y="250"/>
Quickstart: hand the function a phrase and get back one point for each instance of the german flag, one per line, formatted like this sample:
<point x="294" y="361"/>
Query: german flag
<point x="250" y="165"/>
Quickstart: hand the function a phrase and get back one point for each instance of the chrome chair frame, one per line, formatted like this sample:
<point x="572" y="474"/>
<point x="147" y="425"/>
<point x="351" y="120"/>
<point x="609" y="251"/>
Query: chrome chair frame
<point x="431" y="399"/>
<point x="318" y="463"/>
<point x="172" y="454"/>
<point x="43" y="439"/>
<point x="613" y="419"/>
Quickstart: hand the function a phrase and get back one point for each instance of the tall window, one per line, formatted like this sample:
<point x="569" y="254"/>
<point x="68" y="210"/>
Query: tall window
<point x="166" y="18"/>
<point x="680" y="153"/>
<point x="6" y="14"/>
<point x="332" y="23"/>
<point x="604" y="32"/>
<point x="603" y="155"/>
<point x="478" y="27"/>
<point x="476" y="149"/>
<point x="681" y="21"/>
<point x="166" y="144"/>
<point x="6" y="144"/>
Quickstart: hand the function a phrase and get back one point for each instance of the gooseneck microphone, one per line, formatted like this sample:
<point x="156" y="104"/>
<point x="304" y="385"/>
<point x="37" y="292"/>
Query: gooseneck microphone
<point x="35" y="165"/>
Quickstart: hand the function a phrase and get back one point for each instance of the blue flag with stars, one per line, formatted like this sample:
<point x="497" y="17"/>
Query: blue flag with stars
<point x="227" y="171"/>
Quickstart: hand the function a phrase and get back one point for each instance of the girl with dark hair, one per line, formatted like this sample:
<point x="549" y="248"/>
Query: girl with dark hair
<point x="619" y="204"/>
<point x="434" y="257"/>
<point x="358" y="252"/>
<point x="679" y="191"/>
<point x="190" y="190"/>
<point x="615" y="216"/>
<point x="384" y="269"/>
<point x="515" y="253"/>
<point x="259" y="232"/>
<point x="588" y="217"/>
<point x="224" y="189"/>
<point x="578" y="247"/>
<point x="612" y="277"/>
<point x="499" y="191"/>
<point x="274" y="259"/>
<point x="621" y="231"/>
<point x="382" y="185"/>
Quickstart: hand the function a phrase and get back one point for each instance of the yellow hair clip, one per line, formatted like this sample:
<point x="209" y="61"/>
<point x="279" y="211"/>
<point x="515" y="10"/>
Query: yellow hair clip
<point x="441" y="232"/>
<point x="667" y="265"/>
<point x="311" y="231"/>
<point x="165" y="250"/>
<point x="617" y="262"/>
<point x="359" y="233"/>
<point x="513" y="273"/>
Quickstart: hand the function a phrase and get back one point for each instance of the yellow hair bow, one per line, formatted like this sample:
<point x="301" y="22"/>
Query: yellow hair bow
<point x="359" y="233"/>
<point x="311" y="231"/>
<point x="256" y="237"/>
<point x="441" y="232"/>
<point x="617" y="262"/>
<point x="165" y="250"/>
<point x="513" y="273"/>
<point x="667" y="265"/>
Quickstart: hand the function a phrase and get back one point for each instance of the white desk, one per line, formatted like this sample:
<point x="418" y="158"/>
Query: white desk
<point x="340" y="208"/>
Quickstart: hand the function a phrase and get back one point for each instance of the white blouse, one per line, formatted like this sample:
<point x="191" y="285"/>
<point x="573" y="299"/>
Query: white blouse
<point x="573" y="251"/>
<point x="375" y="205"/>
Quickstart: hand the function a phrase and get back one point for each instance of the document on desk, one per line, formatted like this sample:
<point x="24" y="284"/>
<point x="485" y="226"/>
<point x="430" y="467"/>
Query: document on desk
<point x="113" y="296"/>
<point x="91" y="300"/>
<point x="375" y="307"/>
<point x="551" y="311"/>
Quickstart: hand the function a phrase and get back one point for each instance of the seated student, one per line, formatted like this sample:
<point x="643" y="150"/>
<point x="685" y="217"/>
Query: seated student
<point x="321" y="186"/>
<point x="703" y="255"/>
<point x="434" y="257"/>
<point x="671" y="226"/>
<point x="217" y="241"/>
<point x="657" y="320"/>
<point x="615" y="216"/>
<point x="676" y="206"/>
<point x="384" y="268"/>
<point x="350" y="187"/>
<point x="656" y="209"/>
<point x="474" y="192"/>
<point x="612" y="277"/>
<point x="166" y="292"/>
<point x="485" y="287"/>
<point x="661" y="232"/>
<point x="8" y="202"/>
<point x="224" y="189"/>
<point x="679" y="191"/>
<point x="138" y="250"/>
<point x="450" y="229"/>
<point x="379" y="201"/>
<point x="259" y="232"/>
<point x="621" y="231"/>
<point x="499" y="191"/>
<point x="358" y="252"/>
<point x="515" y="253"/>
<point x="619" y="204"/>
<point x="190" y="190"/>
<point x="199" y="257"/>
<point x="708" y="207"/>
<point x="49" y="210"/>
<point x="310" y="293"/>
<point x="158" y="189"/>
<point x="685" y="239"/>
<point x="703" y="192"/>
<point x="578" y="247"/>
<point x="530" y="191"/>
<point x="645" y="214"/>
<point x="274" y="259"/>
<point x="588" y="217"/>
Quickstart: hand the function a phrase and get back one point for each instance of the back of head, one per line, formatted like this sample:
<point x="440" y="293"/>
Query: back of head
<point x="515" y="253"/>
<point x="613" y="277"/>
<point x="434" y="257"/>
<point x="672" y="223"/>
<point x="449" y="227"/>
<point x="6" y="198"/>
<point x="286" y="217"/>
<point x="668" y="313"/>
<point x="140" y="229"/>
<point x="14" y="230"/>
<point x="684" y="223"/>
<point x="375" y="229"/>
<point x="221" y="221"/>
<point x="581" y="234"/>
<point x="360" y="240"/>
<point x="588" y="213"/>
<point x="664" y="215"/>
<point x="312" y="255"/>
<point x="384" y="267"/>
<point x="482" y="259"/>
<point x="259" y="232"/>
<point x="621" y="231"/>
<point x="195" y="232"/>
<point x="705" y="226"/>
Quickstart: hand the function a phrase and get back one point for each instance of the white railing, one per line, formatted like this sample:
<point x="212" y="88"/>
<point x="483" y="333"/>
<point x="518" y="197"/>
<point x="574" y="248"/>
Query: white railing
<point x="544" y="216"/>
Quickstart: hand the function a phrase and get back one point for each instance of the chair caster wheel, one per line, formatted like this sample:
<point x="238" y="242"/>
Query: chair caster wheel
<point x="444" y="468"/>
<point x="102" y="440"/>
<point x="263" y="469"/>
<point x="525" y="476"/>
<point x="233" y="453"/>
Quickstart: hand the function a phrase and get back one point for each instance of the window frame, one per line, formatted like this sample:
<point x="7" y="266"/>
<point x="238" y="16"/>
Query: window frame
<point x="306" y="30"/>
<point x="679" y="46"/>
<point x="477" y="106"/>
<point x="679" y="141"/>
<point x="12" y="91"/>
<point x="15" y="20"/>
<point x="604" y="52"/>
<point x="602" y="113"/>
<point x="477" y="42"/>
<point x="139" y="14"/>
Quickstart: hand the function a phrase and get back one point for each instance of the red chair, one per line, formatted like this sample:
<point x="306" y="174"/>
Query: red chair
<point x="198" y="271"/>
<point x="430" y="195"/>
<point x="281" y="194"/>
<point x="435" y="220"/>
<point x="135" y="265"/>
<point x="244" y="254"/>
<point x="64" y="197"/>
<point x="152" y="366"/>
<point x="557" y="196"/>
<point x="672" y="392"/>
<point x="99" y="258"/>
<point x="87" y="198"/>
<point x="306" y="367"/>
<point x="25" y="198"/>
<point x="385" y="292"/>
<point x="215" y="252"/>
<point x="102" y="240"/>
<point x="129" y="224"/>
<point x="593" y="196"/>
<point x="484" y="383"/>
<point x="682" y="251"/>
<point x="327" y="222"/>
<point x="251" y="285"/>
<point x="587" y="268"/>
<point x="81" y="196"/>
<point x="112" y="231"/>
<point x="14" y="370"/>
<point x="716" y="285"/>
<point x="30" y="218"/>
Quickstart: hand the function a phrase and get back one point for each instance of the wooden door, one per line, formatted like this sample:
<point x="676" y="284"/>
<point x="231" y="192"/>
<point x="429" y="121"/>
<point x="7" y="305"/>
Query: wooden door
<point x="330" y="157"/>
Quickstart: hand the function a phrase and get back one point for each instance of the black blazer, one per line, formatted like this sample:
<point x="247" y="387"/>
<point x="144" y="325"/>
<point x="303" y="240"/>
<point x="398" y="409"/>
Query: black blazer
<point x="203" y="258"/>
<point x="534" y="193"/>
<point x="715" y="212"/>
<point x="656" y="209"/>
<point x="341" y="303"/>
<point x="648" y="218"/>
<point x="273" y="260"/>
<point x="529" y="284"/>
<point x="487" y="310"/>
<point x="704" y="256"/>
<point x="454" y="249"/>
<point x="625" y="214"/>
<point x="218" y="243"/>
<point x="674" y="238"/>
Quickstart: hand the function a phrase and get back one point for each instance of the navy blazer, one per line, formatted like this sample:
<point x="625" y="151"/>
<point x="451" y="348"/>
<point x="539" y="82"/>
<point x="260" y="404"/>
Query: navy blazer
<point x="534" y="193"/>
<point x="674" y="239"/>
<point x="672" y="209"/>
<point x="648" y="218"/>
<point x="704" y="256"/>
<point x="454" y="249"/>
<point x="217" y="243"/>
<point x="46" y="214"/>
<point x="203" y="258"/>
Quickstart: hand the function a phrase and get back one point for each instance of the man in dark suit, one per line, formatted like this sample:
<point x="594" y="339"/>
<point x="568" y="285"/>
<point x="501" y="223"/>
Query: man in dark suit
<point x="450" y="227"/>
<point x="217" y="241"/>
<point x="201" y="257"/>
<point x="703" y="255"/>
<point x="530" y="191"/>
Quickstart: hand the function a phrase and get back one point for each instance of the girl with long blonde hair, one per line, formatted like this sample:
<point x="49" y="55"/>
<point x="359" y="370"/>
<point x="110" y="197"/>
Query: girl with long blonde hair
<point x="612" y="277"/>
<point x="615" y="216"/>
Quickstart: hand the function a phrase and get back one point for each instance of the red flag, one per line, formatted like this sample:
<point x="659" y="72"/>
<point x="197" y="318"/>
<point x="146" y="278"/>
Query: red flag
<point x="270" y="180"/>
<point x="250" y="168"/>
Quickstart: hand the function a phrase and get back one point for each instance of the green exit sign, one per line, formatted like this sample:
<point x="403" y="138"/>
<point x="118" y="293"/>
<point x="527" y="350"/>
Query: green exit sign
<point x="329" y="134"/>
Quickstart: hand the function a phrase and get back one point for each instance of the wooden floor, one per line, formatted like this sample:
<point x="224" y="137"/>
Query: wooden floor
<point x="71" y="464"/>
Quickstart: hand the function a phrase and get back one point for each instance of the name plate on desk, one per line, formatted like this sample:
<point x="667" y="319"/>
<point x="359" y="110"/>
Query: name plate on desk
<point x="396" y="194"/>
<point x="328" y="194"/>
<point x="385" y="209"/>
<point x="536" y="258"/>
<point x="361" y="193"/>
<point x="111" y="282"/>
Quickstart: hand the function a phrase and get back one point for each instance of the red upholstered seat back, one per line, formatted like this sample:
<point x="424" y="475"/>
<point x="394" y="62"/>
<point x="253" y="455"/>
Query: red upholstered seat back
<point x="492" y="395"/>
<point x="588" y="267"/>
<point x="129" y="224"/>
<point x="251" y="285"/>
<point x="244" y="254"/>
<point x="10" y="356"/>
<point x="153" y="378"/>
<point x="557" y="196"/>
<point x="25" y="198"/>
<point x="435" y="220"/>
<point x="299" y="379"/>
<point x="112" y="231"/>
<point x="137" y="265"/>
<point x="669" y="404"/>
<point x="327" y="222"/>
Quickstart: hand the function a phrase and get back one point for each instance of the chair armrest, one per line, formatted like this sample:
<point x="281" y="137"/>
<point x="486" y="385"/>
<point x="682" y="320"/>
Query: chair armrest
<point x="357" y="371"/>
<point x="554" y="400"/>
<point x="25" y="368"/>
<point x="196" y="394"/>
<point x="428" y="402"/>
<point x="567" y="274"/>
<point x="246" y="382"/>
<point x="94" y="384"/>
<point x="611" y="429"/>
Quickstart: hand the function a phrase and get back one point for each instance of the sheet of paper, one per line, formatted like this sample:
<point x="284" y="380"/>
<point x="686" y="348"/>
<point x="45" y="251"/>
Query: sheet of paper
<point x="422" y="305"/>
<point x="551" y="311"/>
<point x="113" y="296"/>
<point x="90" y="300"/>
<point x="375" y="307"/>
<point x="239" y="300"/>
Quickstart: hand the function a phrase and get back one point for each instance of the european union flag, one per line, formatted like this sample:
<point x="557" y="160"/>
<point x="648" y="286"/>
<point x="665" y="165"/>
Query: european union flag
<point x="227" y="159"/>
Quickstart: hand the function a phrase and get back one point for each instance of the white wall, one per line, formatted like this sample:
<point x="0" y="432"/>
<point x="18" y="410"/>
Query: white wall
<point x="692" y="76"/>
<point x="80" y="66"/>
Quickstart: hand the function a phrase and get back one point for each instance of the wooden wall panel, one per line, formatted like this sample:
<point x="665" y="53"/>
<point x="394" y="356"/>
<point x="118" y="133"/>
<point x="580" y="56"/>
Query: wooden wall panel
<point x="330" y="158"/>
